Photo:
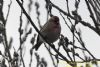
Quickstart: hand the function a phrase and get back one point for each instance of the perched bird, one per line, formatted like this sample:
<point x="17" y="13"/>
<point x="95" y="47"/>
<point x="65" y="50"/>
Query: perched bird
<point x="51" y="31"/>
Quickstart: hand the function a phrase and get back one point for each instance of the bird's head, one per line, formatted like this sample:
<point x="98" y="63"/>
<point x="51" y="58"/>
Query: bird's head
<point x="55" y="19"/>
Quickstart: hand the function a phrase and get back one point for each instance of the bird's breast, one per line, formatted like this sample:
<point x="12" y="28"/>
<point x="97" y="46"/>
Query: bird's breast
<point x="53" y="34"/>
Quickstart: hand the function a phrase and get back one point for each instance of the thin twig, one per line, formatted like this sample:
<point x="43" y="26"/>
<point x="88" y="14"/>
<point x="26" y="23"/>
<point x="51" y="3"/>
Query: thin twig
<point x="9" y="6"/>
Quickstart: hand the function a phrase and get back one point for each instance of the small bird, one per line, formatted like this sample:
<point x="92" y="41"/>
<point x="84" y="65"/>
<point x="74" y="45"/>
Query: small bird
<point x="51" y="31"/>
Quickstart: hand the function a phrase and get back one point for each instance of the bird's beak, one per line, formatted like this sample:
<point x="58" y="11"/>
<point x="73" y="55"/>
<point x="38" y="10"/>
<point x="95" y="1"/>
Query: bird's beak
<point x="57" y="22"/>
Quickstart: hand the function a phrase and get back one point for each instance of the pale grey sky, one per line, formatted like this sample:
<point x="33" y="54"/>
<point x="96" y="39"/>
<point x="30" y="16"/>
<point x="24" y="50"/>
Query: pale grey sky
<point x="90" y="38"/>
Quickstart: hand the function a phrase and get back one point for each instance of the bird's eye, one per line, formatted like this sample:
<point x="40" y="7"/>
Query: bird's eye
<point x="56" y="22"/>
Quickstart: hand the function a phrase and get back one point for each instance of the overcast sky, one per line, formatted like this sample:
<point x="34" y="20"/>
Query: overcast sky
<point x="90" y="38"/>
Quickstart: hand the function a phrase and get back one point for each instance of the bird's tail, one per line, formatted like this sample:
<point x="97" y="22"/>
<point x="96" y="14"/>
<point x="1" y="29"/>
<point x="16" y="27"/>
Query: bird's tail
<point x="37" y="45"/>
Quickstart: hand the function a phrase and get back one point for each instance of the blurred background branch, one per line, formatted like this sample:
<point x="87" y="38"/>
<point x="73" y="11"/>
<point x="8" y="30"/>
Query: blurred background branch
<point x="71" y="18"/>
